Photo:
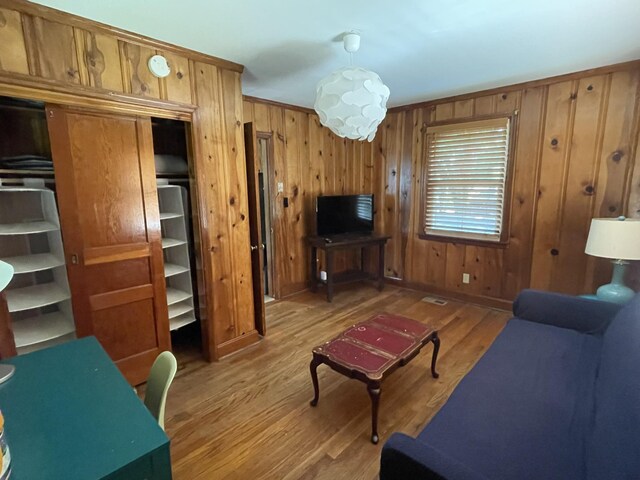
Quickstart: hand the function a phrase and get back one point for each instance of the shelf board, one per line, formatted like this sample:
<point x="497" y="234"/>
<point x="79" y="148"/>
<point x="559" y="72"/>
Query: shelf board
<point x="171" y="269"/>
<point x="178" y="309"/>
<point x="42" y="328"/>
<point x="168" y="215"/>
<point x="49" y="343"/>
<point x="176" y="323"/>
<point x="26" y="172"/>
<point x="174" y="295"/>
<point x="27" y="228"/>
<point x="35" y="296"/>
<point x="172" y="242"/>
<point x="34" y="263"/>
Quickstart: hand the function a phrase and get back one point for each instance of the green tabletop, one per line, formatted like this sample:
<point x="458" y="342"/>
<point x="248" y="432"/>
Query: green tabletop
<point x="70" y="414"/>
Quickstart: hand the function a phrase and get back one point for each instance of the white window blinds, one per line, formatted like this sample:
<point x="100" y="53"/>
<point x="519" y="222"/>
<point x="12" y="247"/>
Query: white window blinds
<point x="466" y="179"/>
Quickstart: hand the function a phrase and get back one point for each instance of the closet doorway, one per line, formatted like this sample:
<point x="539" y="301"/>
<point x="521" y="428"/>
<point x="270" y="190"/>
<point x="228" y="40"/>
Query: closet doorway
<point x="104" y="240"/>
<point x="178" y="205"/>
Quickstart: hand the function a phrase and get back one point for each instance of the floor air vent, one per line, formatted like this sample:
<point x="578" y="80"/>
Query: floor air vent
<point x="434" y="300"/>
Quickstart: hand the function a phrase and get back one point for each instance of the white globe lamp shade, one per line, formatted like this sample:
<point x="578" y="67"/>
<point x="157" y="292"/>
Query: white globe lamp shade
<point x="352" y="102"/>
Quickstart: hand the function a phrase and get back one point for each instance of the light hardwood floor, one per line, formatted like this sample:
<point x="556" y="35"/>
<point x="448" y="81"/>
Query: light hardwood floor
<point x="248" y="416"/>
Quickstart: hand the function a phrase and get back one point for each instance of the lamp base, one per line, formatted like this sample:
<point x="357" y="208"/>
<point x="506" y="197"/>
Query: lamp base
<point x="616" y="291"/>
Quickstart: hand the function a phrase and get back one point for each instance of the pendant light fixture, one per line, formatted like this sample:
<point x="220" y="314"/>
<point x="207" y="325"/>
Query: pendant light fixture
<point x="352" y="101"/>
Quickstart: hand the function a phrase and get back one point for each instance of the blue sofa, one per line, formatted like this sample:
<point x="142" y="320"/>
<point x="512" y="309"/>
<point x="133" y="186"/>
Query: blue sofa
<point x="557" y="396"/>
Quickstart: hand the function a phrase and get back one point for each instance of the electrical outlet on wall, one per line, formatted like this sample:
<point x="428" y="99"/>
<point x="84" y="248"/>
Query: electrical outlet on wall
<point x="323" y="275"/>
<point x="280" y="187"/>
<point x="465" y="278"/>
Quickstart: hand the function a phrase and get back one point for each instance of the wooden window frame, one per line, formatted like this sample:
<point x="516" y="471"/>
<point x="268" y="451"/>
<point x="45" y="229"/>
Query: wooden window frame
<point x="503" y="241"/>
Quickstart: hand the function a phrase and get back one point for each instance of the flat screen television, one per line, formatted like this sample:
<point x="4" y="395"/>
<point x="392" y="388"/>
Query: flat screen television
<point x="343" y="214"/>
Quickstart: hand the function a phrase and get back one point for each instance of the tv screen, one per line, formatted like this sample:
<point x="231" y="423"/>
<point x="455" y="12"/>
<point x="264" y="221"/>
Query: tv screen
<point x="340" y="214"/>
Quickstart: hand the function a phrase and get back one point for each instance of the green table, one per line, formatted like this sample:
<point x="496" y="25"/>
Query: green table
<point x="70" y="414"/>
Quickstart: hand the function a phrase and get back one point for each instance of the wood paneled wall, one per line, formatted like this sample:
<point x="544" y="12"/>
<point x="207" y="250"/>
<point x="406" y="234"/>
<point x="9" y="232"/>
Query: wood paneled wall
<point x="575" y="152"/>
<point x="310" y="161"/>
<point x="49" y="55"/>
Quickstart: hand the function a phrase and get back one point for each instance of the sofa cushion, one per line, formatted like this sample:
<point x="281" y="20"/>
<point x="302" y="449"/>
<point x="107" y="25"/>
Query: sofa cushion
<point x="524" y="410"/>
<point x="614" y="444"/>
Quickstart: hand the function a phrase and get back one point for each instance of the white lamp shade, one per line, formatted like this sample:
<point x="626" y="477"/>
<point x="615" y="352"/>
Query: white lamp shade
<point x="6" y="274"/>
<point x="352" y="102"/>
<point x="615" y="238"/>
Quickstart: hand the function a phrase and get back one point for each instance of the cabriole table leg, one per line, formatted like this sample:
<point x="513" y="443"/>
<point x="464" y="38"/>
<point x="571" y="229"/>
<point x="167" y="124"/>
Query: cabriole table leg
<point x="374" y="393"/>
<point x="434" y="357"/>
<point x="313" y="367"/>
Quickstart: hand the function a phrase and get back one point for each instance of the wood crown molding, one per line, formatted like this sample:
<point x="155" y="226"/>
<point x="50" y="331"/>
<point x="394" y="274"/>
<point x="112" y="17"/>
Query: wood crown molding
<point x="631" y="65"/>
<point x="273" y="103"/>
<point x="59" y="16"/>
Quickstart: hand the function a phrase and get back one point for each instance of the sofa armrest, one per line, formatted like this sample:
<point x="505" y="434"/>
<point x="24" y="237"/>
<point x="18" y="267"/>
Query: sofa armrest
<point x="406" y="458"/>
<point x="582" y="314"/>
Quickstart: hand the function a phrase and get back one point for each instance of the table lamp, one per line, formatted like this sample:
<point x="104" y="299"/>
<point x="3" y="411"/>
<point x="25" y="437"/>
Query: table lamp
<point x="6" y="274"/>
<point x="619" y="240"/>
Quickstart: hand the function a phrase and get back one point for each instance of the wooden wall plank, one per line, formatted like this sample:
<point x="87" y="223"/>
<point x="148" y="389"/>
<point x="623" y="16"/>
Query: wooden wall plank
<point x="220" y="180"/>
<point x="615" y="162"/>
<point x="51" y="46"/>
<point x="463" y="108"/>
<point x="261" y="117"/>
<point x="554" y="157"/>
<point x="444" y="111"/>
<point x="247" y="112"/>
<point x="178" y="83"/>
<point x="99" y="57"/>
<point x="579" y="185"/>
<point x="281" y="238"/>
<point x="296" y="128"/>
<point x="138" y="78"/>
<point x="13" y="56"/>
<point x="517" y="258"/>
<point x="485" y="105"/>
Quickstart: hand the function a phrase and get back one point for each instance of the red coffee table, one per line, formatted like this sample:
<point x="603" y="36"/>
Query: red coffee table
<point x="371" y="350"/>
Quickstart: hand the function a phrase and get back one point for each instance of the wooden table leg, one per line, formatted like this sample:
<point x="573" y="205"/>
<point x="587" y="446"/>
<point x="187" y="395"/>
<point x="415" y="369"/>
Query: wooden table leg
<point x="314" y="269"/>
<point x="313" y="366"/>
<point x="374" y="393"/>
<point x="329" y="260"/>
<point x="381" y="267"/>
<point x="434" y="357"/>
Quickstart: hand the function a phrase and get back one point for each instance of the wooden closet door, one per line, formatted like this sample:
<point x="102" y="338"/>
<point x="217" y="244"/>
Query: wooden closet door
<point x="105" y="181"/>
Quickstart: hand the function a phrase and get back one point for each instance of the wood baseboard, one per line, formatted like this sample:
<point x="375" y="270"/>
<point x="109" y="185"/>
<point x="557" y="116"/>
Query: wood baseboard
<point x="236" y="344"/>
<point x="293" y="288"/>
<point x="492" y="302"/>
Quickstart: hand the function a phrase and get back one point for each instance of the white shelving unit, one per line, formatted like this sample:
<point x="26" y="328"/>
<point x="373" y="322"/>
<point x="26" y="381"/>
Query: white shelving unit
<point x="175" y="244"/>
<point x="38" y="297"/>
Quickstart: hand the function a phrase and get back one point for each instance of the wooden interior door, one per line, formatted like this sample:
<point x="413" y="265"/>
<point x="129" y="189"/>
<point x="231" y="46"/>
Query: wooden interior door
<point x="107" y="196"/>
<point x="257" y="252"/>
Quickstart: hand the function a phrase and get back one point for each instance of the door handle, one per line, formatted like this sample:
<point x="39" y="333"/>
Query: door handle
<point x="254" y="248"/>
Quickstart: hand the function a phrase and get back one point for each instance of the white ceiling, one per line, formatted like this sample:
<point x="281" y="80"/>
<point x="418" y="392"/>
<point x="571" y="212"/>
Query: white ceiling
<point x="422" y="49"/>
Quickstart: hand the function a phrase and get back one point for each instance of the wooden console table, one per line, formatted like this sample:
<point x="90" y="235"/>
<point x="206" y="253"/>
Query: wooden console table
<point x="333" y="243"/>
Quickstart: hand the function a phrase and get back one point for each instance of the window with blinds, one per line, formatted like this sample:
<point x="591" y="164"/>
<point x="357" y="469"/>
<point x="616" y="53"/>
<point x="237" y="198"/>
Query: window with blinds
<point x="465" y="179"/>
